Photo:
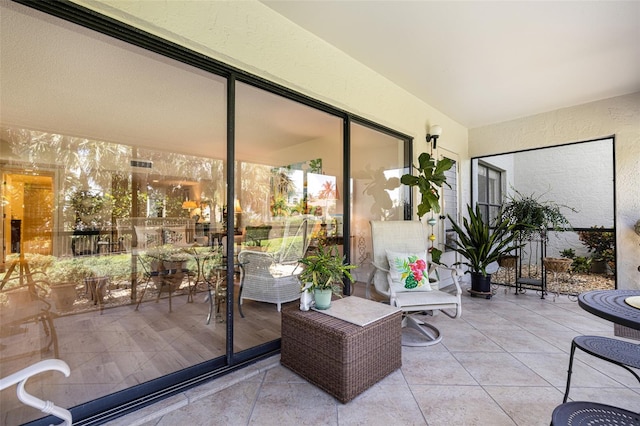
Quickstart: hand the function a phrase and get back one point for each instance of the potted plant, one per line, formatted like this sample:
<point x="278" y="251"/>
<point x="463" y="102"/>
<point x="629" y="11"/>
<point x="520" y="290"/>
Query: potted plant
<point x="601" y="244"/>
<point x="531" y="216"/>
<point x="64" y="276"/>
<point x="323" y="273"/>
<point x="429" y="180"/>
<point x="481" y="245"/>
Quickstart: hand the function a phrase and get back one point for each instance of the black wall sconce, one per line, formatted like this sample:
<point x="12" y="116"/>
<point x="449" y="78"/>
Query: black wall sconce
<point x="434" y="133"/>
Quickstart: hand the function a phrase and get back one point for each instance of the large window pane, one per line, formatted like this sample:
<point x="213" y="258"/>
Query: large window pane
<point x="105" y="158"/>
<point x="377" y="163"/>
<point x="288" y="185"/>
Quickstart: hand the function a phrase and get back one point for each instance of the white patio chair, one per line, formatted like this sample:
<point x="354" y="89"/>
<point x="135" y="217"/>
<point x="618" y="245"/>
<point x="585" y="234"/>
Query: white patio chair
<point x="273" y="276"/>
<point x="20" y="378"/>
<point x="406" y="242"/>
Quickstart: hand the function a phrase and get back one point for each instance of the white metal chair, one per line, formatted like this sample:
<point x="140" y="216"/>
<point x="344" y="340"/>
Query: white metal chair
<point x="20" y="378"/>
<point x="405" y="243"/>
<point x="273" y="276"/>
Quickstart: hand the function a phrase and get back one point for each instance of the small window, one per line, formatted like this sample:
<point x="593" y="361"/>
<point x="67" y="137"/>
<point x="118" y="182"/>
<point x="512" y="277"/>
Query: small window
<point x="489" y="192"/>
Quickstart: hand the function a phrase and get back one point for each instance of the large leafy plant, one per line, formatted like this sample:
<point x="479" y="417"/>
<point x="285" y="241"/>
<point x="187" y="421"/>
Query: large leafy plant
<point x="601" y="243"/>
<point x="430" y="178"/>
<point x="479" y="243"/>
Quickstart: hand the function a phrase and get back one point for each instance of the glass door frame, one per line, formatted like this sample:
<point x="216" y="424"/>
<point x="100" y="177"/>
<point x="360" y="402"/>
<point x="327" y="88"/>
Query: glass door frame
<point x="115" y="405"/>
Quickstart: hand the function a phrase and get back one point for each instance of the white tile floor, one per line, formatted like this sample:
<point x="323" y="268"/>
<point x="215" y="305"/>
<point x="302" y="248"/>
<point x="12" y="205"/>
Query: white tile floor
<point x="503" y="363"/>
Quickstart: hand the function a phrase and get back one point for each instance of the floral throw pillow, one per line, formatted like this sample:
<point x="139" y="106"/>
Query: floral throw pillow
<point x="148" y="237"/>
<point x="408" y="271"/>
<point x="175" y="235"/>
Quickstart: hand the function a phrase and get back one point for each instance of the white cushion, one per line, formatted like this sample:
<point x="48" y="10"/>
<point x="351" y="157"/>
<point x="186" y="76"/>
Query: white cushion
<point x="279" y="270"/>
<point x="408" y="271"/>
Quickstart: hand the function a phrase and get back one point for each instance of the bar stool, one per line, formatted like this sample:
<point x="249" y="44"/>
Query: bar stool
<point x="592" y="413"/>
<point x="619" y="352"/>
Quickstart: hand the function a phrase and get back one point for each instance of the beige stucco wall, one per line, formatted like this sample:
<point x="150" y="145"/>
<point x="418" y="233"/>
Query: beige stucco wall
<point x="618" y="116"/>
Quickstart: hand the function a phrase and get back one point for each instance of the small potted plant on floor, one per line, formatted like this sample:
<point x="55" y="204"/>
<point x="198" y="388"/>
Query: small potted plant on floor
<point x="481" y="244"/>
<point x="64" y="277"/>
<point x="323" y="273"/>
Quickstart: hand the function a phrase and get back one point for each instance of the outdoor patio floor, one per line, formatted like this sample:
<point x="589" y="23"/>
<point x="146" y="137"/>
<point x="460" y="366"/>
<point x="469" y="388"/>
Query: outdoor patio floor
<point x="503" y="363"/>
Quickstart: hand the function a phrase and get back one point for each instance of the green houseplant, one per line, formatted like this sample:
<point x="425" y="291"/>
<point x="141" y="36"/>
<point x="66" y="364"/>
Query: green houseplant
<point x="429" y="180"/>
<point x="601" y="244"/>
<point x="481" y="244"/>
<point x="531" y="216"/>
<point x="323" y="273"/>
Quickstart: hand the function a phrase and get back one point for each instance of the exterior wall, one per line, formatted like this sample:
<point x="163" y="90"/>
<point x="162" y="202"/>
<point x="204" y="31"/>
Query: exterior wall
<point x="252" y="37"/>
<point x="619" y="116"/>
<point x="578" y="176"/>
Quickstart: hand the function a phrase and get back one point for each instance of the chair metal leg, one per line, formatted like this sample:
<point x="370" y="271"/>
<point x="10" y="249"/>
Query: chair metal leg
<point x="622" y="353"/>
<point x="566" y="392"/>
<point x="144" y="290"/>
<point x="430" y="333"/>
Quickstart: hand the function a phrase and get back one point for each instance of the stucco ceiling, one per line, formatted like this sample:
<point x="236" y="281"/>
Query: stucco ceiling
<point x="484" y="62"/>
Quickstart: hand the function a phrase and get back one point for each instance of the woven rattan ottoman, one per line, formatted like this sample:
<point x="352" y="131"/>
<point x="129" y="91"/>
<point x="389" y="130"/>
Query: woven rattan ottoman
<point x="340" y="357"/>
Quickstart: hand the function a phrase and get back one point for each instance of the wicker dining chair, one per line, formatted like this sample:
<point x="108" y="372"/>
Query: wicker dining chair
<point x="272" y="277"/>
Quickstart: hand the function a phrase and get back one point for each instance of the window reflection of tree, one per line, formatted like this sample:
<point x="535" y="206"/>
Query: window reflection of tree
<point x="378" y="188"/>
<point x="103" y="167"/>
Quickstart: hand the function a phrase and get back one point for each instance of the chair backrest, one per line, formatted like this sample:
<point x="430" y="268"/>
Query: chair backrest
<point x="395" y="235"/>
<point x="295" y="242"/>
<point x="147" y="232"/>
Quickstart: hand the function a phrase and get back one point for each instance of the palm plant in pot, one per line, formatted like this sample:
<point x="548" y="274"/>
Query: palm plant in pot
<point x="323" y="273"/>
<point x="481" y="244"/>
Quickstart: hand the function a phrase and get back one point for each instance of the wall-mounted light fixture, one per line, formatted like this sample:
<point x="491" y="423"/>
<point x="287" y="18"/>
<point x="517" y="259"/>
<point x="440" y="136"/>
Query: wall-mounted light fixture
<point x="434" y="133"/>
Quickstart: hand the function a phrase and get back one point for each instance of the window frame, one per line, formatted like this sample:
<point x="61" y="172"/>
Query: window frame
<point x="486" y="207"/>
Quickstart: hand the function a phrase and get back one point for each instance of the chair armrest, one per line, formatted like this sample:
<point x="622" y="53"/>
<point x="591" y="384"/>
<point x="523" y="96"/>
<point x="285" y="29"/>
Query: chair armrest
<point x="454" y="275"/>
<point x="20" y="378"/>
<point x="376" y="268"/>
<point x="248" y="256"/>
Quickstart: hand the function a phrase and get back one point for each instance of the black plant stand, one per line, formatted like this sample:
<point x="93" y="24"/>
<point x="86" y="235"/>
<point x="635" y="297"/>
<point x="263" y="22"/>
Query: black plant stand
<point x="541" y="240"/>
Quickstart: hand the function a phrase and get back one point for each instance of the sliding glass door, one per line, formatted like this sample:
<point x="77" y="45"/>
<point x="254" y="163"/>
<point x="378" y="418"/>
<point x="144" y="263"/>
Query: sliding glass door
<point x="151" y="183"/>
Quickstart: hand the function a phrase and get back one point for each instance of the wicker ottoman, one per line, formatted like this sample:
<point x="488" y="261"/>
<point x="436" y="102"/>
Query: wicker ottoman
<point x="342" y="358"/>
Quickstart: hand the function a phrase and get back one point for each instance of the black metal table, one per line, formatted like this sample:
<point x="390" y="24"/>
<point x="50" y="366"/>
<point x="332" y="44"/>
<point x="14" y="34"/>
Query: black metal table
<point x="611" y="305"/>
